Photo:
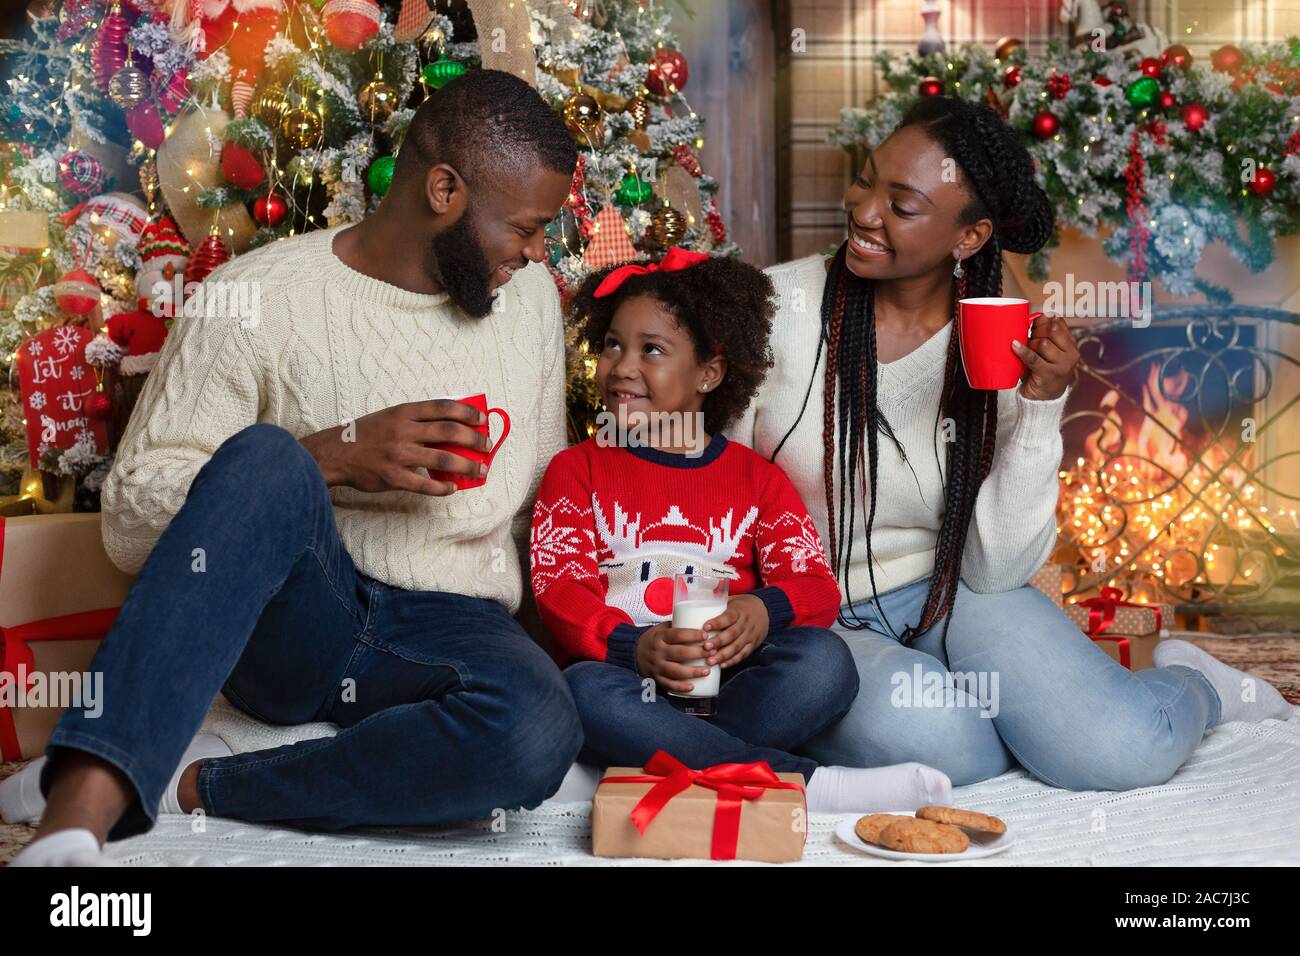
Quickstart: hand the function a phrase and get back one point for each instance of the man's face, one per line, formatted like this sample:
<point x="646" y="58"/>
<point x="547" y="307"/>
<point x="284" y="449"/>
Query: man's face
<point x="502" y="229"/>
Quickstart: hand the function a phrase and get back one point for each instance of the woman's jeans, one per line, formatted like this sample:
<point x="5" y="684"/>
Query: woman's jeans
<point x="447" y="709"/>
<point x="799" y="681"/>
<point x="1027" y="687"/>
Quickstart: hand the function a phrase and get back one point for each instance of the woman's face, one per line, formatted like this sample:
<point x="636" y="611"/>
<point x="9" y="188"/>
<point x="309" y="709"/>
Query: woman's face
<point x="903" y="208"/>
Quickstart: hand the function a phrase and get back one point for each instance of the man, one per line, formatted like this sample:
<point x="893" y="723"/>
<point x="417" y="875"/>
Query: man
<point x="299" y="546"/>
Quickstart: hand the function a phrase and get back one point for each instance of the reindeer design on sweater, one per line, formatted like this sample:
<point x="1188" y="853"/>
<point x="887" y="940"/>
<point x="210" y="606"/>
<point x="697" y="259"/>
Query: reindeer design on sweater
<point x="639" y="560"/>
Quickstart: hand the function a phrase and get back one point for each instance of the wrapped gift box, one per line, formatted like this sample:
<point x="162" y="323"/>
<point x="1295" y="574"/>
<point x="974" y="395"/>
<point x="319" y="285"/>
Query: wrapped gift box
<point x="732" y="811"/>
<point x="1134" y="652"/>
<point x="59" y="594"/>
<point x="1133" y="621"/>
<point x="1050" y="579"/>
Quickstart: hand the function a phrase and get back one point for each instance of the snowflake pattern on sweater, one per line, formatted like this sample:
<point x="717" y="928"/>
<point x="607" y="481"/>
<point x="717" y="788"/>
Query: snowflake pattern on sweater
<point x="612" y="526"/>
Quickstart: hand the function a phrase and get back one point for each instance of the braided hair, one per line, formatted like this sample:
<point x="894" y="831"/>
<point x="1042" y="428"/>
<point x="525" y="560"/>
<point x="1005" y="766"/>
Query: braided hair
<point x="1000" y="174"/>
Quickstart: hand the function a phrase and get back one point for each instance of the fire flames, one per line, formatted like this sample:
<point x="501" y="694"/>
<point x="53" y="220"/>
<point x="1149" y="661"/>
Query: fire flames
<point x="1161" y="512"/>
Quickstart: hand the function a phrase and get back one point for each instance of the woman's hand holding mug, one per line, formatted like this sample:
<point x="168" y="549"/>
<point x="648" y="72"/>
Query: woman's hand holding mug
<point x="1050" y="359"/>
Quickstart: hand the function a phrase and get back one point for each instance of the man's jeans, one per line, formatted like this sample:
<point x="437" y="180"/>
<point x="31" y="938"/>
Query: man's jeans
<point x="447" y="709"/>
<point x="1034" y="690"/>
<point x="799" y="681"/>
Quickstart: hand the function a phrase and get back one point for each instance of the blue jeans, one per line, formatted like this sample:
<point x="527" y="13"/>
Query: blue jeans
<point x="1061" y="707"/>
<point x="800" y="680"/>
<point x="447" y="709"/>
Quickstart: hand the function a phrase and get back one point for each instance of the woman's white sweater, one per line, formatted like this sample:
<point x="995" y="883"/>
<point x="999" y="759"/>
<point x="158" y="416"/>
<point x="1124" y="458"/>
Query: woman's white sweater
<point x="1014" y="525"/>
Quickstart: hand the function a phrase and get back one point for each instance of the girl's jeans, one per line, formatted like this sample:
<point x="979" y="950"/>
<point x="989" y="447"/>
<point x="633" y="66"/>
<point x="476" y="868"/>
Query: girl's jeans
<point x="1028" y="687"/>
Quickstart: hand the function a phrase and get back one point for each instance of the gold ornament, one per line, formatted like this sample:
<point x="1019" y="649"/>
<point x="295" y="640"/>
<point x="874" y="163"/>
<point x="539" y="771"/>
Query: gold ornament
<point x="570" y="76"/>
<point x="667" y="226"/>
<point x="269" y="105"/>
<point x="639" y="110"/>
<point x="640" y="139"/>
<point x="430" y="43"/>
<point x="1005" y="46"/>
<point x="302" y="128"/>
<point x="149" y="181"/>
<point x="583" y="117"/>
<point x="128" y="87"/>
<point x="377" y="99"/>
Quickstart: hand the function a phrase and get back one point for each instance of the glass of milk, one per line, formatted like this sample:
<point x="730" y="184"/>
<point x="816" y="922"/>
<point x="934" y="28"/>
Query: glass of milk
<point x="696" y="598"/>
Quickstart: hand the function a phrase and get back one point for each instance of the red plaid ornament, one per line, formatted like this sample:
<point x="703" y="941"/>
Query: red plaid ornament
<point x="609" y="243"/>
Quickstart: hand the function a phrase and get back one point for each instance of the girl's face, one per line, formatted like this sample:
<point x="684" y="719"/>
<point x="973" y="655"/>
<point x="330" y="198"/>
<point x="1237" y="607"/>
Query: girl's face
<point x="649" y="363"/>
<point x="903" y="210"/>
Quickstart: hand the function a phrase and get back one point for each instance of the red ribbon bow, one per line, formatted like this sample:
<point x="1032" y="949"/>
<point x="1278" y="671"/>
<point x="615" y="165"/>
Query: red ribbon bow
<point x="676" y="260"/>
<point x="734" y="783"/>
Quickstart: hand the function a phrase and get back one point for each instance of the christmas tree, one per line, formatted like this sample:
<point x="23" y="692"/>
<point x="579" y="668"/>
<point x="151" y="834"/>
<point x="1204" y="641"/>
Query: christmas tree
<point x="145" y="142"/>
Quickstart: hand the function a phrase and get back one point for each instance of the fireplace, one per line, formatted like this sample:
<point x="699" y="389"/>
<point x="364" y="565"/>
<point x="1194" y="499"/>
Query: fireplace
<point x="1181" y="475"/>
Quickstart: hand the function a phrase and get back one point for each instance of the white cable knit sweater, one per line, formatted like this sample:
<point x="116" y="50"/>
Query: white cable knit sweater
<point x="332" y="345"/>
<point x="1014" y="525"/>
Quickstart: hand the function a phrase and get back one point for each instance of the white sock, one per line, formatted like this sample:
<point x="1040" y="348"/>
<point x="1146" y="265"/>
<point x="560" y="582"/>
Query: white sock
<point x="578" y="786"/>
<point x="20" y="794"/>
<point x="904" y="786"/>
<point x="202" y="747"/>
<point x="1243" y="696"/>
<point x="75" y="847"/>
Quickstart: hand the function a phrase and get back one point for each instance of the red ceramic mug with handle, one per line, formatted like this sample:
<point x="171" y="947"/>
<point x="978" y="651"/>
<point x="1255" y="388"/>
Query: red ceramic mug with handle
<point x="986" y="327"/>
<point x="479" y="402"/>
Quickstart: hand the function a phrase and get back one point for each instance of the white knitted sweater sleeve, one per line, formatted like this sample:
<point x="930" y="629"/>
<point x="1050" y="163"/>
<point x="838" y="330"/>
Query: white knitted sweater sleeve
<point x="1013" y="529"/>
<point x="202" y="391"/>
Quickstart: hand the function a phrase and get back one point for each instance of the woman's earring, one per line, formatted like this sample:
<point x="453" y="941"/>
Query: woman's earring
<point x="704" y="387"/>
<point x="957" y="270"/>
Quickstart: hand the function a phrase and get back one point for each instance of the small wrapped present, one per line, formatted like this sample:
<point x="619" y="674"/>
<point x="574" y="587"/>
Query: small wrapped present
<point x="1050" y="579"/>
<point x="59" y="594"/>
<point x="729" y="811"/>
<point x="1126" y="630"/>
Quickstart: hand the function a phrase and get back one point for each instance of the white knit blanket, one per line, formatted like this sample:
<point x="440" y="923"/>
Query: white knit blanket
<point x="1235" y="802"/>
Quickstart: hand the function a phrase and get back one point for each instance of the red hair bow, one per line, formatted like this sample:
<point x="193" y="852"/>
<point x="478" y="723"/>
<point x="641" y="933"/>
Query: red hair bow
<point x="676" y="260"/>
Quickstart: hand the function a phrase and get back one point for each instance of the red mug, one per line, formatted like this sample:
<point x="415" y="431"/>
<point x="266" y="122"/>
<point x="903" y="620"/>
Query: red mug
<point x="461" y="481"/>
<point x="986" y="328"/>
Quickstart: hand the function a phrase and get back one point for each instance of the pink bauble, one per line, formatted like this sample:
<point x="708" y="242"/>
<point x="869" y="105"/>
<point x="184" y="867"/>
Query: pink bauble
<point x="145" y="125"/>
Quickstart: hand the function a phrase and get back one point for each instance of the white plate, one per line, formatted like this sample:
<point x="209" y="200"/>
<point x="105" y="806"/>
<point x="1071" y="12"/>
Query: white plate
<point x="981" y="844"/>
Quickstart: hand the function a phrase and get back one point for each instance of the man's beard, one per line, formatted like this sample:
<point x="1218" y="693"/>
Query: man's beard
<point x="461" y="268"/>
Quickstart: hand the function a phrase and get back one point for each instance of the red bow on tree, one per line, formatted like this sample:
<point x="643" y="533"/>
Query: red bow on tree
<point x="676" y="260"/>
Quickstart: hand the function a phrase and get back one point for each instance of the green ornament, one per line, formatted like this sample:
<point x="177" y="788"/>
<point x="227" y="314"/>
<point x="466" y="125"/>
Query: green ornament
<point x="1142" y="91"/>
<point x="633" y="190"/>
<point x="380" y="175"/>
<point x="441" y="72"/>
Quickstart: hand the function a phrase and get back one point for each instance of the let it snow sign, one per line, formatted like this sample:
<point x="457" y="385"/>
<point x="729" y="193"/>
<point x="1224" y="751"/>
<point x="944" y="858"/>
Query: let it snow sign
<point x="55" y="380"/>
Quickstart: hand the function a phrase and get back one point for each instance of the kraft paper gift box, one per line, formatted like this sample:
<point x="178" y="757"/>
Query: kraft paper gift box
<point x="1050" y="579"/>
<point x="1136" y="652"/>
<point x="59" y="594"/>
<point x="731" y="811"/>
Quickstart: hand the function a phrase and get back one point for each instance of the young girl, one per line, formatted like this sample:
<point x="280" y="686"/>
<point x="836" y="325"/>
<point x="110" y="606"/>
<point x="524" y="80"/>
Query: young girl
<point x="620" y="514"/>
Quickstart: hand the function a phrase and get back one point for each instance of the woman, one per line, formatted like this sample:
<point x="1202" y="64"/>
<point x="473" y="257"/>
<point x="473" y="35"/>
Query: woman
<point x="937" y="502"/>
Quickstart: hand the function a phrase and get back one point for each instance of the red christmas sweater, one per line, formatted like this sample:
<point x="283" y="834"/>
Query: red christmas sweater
<point x="612" y="525"/>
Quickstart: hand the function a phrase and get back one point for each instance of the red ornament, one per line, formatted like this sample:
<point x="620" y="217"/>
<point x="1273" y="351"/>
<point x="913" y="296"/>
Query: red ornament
<point x="1058" y="84"/>
<point x="146" y="125"/>
<point x="240" y="167"/>
<point x="668" y="73"/>
<point x="1102" y="81"/>
<point x="1194" y="115"/>
<point x="1150" y="66"/>
<point x="350" y="23"/>
<point x="108" y="53"/>
<point x="270" y="210"/>
<point x="211" y="253"/>
<point x="77" y="292"/>
<point x="1011" y="76"/>
<point x="1177" y="55"/>
<point x="930" y="86"/>
<point x="99" y="406"/>
<point x="1167" y="100"/>
<point x="173" y="96"/>
<point x="1263" y="183"/>
<point x="1045" y="124"/>
<point x="1227" y="59"/>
